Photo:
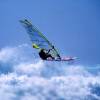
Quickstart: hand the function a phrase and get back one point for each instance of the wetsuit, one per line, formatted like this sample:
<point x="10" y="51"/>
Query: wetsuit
<point x="45" y="55"/>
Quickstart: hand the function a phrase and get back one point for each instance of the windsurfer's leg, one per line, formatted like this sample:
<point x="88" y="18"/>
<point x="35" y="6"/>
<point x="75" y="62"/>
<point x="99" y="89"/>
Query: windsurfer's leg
<point x="58" y="56"/>
<point x="50" y="56"/>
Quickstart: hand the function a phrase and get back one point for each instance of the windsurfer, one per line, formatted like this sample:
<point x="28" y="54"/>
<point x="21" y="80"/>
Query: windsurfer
<point x="45" y="54"/>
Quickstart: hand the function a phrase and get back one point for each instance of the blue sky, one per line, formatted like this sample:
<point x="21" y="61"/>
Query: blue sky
<point x="72" y="25"/>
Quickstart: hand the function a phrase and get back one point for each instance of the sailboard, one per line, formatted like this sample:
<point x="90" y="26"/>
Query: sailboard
<point x="39" y="41"/>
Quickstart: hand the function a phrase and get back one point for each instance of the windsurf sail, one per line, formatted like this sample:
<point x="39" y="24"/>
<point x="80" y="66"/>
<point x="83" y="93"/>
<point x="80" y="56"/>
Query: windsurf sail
<point x="39" y="41"/>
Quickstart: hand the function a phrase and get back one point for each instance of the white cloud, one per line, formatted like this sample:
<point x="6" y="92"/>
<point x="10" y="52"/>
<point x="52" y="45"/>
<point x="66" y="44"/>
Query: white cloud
<point x="28" y="79"/>
<point x="7" y="53"/>
<point x="29" y="68"/>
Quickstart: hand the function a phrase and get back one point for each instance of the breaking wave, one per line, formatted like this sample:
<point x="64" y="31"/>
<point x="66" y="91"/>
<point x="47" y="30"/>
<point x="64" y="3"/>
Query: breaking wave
<point x="25" y="77"/>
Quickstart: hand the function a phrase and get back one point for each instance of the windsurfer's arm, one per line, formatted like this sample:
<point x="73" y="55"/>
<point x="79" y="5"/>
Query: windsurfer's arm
<point x="50" y="49"/>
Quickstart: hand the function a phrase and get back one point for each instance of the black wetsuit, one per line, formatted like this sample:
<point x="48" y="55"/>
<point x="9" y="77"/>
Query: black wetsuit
<point x="44" y="55"/>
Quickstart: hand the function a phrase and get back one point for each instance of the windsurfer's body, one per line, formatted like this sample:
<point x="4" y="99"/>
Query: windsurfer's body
<point x="45" y="54"/>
